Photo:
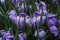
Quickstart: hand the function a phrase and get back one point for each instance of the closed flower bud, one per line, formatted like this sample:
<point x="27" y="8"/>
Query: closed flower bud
<point x="21" y="20"/>
<point x="22" y="36"/>
<point x="41" y="34"/>
<point x="35" y="20"/>
<point x="54" y="30"/>
<point x="28" y="21"/>
<point x="12" y="15"/>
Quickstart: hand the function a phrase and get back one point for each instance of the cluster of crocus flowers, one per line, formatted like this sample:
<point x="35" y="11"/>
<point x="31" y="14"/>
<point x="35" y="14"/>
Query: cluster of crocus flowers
<point x="6" y="35"/>
<point x="22" y="18"/>
<point x="52" y="22"/>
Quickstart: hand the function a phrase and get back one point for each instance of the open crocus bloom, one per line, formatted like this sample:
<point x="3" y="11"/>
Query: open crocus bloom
<point x="54" y="30"/>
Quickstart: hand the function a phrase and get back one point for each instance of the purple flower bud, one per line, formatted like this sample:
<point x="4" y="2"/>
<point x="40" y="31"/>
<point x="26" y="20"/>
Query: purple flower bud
<point x="22" y="36"/>
<point x="12" y="15"/>
<point x="54" y="30"/>
<point x="35" y="22"/>
<point x="20" y="21"/>
<point x="28" y="21"/>
<point x="41" y="34"/>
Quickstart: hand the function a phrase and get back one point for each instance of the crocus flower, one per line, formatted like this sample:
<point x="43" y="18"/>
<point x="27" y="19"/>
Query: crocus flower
<point x="21" y="20"/>
<point x="28" y="21"/>
<point x="41" y="34"/>
<point x="35" y="20"/>
<point x="54" y="30"/>
<point x="12" y="15"/>
<point x="22" y="36"/>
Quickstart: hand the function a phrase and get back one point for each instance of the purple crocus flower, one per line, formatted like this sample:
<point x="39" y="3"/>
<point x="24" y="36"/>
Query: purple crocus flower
<point x="12" y="15"/>
<point x="41" y="34"/>
<point x="54" y="30"/>
<point x="22" y="36"/>
<point x="35" y="20"/>
<point x="28" y="21"/>
<point x="20" y="21"/>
